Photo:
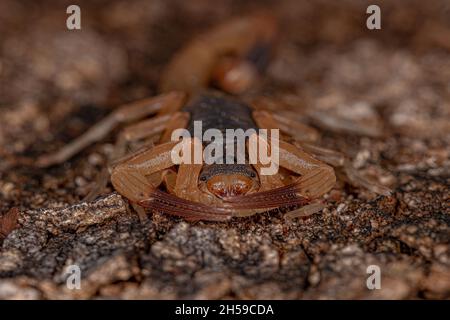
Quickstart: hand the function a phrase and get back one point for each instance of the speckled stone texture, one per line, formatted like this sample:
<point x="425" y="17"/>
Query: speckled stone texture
<point x="55" y="84"/>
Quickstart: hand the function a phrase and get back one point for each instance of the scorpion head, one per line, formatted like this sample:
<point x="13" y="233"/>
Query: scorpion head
<point x="223" y="180"/>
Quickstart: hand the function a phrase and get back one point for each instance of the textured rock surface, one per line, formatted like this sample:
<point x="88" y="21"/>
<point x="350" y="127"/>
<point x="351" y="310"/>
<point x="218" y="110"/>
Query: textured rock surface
<point x="398" y="77"/>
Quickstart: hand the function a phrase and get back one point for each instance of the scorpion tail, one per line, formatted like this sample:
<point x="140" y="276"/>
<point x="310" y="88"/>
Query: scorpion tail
<point x="230" y="56"/>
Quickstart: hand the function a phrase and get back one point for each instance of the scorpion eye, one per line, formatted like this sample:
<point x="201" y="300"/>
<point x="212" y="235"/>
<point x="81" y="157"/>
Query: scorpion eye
<point x="252" y="174"/>
<point x="202" y="178"/>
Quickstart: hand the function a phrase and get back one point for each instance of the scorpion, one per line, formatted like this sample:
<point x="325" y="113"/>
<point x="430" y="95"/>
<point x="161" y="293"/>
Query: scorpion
<point x="206" y="81"/>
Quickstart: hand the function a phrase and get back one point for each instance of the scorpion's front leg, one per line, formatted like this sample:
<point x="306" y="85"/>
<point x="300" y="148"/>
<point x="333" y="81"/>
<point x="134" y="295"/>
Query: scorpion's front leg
<point x="316" y="178"/>
<point x="139" y="177"/>
<point x="185" y="198"/>
<point x="135" y="179"/>
<point x="127" y="113"/>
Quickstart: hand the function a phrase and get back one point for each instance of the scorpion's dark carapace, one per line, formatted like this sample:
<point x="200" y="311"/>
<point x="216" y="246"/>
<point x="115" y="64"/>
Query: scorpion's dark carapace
<point x="221" y="112"/>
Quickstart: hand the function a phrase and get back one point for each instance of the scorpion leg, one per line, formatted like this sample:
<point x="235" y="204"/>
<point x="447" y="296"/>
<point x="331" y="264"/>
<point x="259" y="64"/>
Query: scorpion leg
<point x="268" y="182"/>
<point x="192" y="67"/>
<point x="179" y="120"/>
<point x="293" y="128"/>
<point x="305" y="211"/>
<point x="127" y="113"/>
<point x="329" y="156"/>
<point x="138" y="179"/>
<point x="338" y="160"/>
<point x="316" y="178"/>
<point x="130" y="178"/>
<point x="234" y="76"/>
<point x="157" y="178"/>
<point x="358" y="179"/>
<point x="189" y="202"/>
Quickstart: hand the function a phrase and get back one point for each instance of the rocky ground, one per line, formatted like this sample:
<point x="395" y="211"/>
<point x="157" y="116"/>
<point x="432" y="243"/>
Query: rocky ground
<point x="56" y="83"/>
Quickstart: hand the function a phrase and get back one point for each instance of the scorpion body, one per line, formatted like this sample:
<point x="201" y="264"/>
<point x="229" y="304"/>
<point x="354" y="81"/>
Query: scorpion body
<point x="230" y="57"/>
<point x="218" y="111"/>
